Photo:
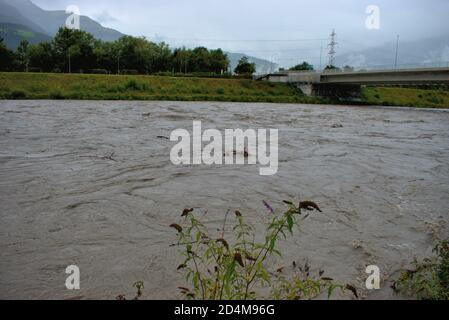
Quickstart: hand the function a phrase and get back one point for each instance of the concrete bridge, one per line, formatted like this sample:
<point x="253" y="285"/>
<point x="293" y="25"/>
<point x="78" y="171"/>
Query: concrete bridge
<point x="347" y="84"/>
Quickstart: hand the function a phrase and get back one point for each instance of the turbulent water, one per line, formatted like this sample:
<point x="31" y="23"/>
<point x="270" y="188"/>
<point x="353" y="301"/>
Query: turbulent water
<point x="91" y="184"/>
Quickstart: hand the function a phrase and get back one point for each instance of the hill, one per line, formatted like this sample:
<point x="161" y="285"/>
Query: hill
<point x="9" y="14"/>
<point x="14" y="33"/>
<point x="26" y="13"/>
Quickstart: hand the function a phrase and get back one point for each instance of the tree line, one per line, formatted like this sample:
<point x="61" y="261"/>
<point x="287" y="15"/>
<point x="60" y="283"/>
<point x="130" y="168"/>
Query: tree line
<point x="305" y="66"/>
<point x="78" y="51"/>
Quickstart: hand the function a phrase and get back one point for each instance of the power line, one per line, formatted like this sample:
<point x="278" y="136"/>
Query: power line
<point x="298" y="58"/>
<point x="282" y="50"/>
<point x="245" y="40"/>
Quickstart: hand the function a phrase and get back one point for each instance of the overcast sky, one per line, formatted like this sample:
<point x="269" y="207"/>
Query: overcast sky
<point x="239" y="25"/>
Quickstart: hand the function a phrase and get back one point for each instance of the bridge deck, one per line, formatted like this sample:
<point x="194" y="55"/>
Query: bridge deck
<point x="412" y="76"/>
<point x="379" y="77"/>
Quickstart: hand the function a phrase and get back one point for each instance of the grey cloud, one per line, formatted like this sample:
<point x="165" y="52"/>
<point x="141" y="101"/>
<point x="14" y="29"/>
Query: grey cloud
<point x="210" y="22"/>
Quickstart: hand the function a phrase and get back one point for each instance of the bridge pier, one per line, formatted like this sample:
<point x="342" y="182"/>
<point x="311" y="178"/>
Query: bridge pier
<point x="307" y="89"/>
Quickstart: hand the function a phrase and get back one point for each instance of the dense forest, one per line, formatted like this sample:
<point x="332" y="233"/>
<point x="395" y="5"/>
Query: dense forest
<point x="77" y="51"/>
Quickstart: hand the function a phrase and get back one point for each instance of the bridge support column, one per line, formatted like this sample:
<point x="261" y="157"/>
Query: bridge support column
<point x="307" y="89"/>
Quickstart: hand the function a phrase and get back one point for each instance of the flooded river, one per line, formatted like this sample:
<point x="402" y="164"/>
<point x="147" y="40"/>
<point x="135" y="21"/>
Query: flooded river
<point x="91" y="184"/>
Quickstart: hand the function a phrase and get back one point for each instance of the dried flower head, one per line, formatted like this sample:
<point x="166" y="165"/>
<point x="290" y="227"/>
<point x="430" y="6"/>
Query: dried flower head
<point x="238" y="259"/>
<point x="352" y="289"/>
<point x="309" y="205"/>
<point x="224" y="243"/>
<point x="177" y="227"/>
<point x="186" y="212"/>
<point x="181" y="266"/>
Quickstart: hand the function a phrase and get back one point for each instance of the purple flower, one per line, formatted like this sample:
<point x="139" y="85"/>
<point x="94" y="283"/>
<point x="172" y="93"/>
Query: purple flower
<point x="269" y="208"/>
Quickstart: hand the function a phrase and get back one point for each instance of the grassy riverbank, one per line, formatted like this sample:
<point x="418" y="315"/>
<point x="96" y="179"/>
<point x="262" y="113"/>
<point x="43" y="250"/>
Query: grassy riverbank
<point x="410" y="97"/>
<point x="111" y="87"/>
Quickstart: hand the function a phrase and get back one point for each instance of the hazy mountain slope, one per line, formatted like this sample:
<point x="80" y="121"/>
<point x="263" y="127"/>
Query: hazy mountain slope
<point x="431" y="52"/>
<point x="14" y="33"/>
<point x="51" y="21"/>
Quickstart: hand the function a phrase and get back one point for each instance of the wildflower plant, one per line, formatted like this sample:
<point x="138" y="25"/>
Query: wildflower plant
<point x="234" y="266"/>
<point x="429" y="278"/>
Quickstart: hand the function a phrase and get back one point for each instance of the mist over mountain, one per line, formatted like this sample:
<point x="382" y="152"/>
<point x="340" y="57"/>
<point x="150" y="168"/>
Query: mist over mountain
<point x="426" y="52"/>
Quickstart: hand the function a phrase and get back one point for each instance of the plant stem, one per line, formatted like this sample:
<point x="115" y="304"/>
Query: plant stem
<point x="267" y="243"/>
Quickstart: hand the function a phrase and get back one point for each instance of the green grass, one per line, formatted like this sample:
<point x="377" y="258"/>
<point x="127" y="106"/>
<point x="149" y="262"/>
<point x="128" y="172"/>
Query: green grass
<point x="435" y="98"/>
<point x="112" y="87"/>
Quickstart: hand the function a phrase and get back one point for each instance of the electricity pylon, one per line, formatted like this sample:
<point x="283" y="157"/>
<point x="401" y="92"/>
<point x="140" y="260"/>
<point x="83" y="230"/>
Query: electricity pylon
<point x="332" y="47"/>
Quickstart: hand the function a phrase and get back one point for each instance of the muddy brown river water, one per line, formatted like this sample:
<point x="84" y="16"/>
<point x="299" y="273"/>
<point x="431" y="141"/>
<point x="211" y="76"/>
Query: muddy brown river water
<point x="91" y="184"/>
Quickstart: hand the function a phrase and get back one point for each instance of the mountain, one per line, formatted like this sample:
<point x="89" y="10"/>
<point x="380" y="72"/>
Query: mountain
<point x="25" y="13"/>
<point x="14" y="33"/>
<point x="10" y="14"/>
<point x="425" y="52"/>
<point x="262" y="66"/>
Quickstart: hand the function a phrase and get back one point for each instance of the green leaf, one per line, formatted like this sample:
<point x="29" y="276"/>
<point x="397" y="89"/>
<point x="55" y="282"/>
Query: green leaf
<point x="290" y="223"/>
<point x="272" y="244"/>
<point x="195" y="280"/>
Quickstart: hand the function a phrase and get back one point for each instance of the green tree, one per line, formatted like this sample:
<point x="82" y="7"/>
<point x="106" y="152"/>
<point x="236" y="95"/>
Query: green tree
<point x="181" y="57"/>
<point x="74" y="50"/>
<point x="305" y="66"/>
<point x="245" y="67"/>
<point x="41" y="56"/>
<point x="108" y="55"/>
<point x="6" y="57"/>
<point x="115" y="55"/>
<point x="78" y="51"/>
<point x="22" y="56"/>
<point x="200" y="60"/>
<point x="219" y="61"/>
<point x="61" y="44"/>
<point x="331" y="67"/>
<point x="136" y="54"/>
<point x="161" y="57"/>
<point x="143" y="55"/>
<point x="102" y="55"/>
